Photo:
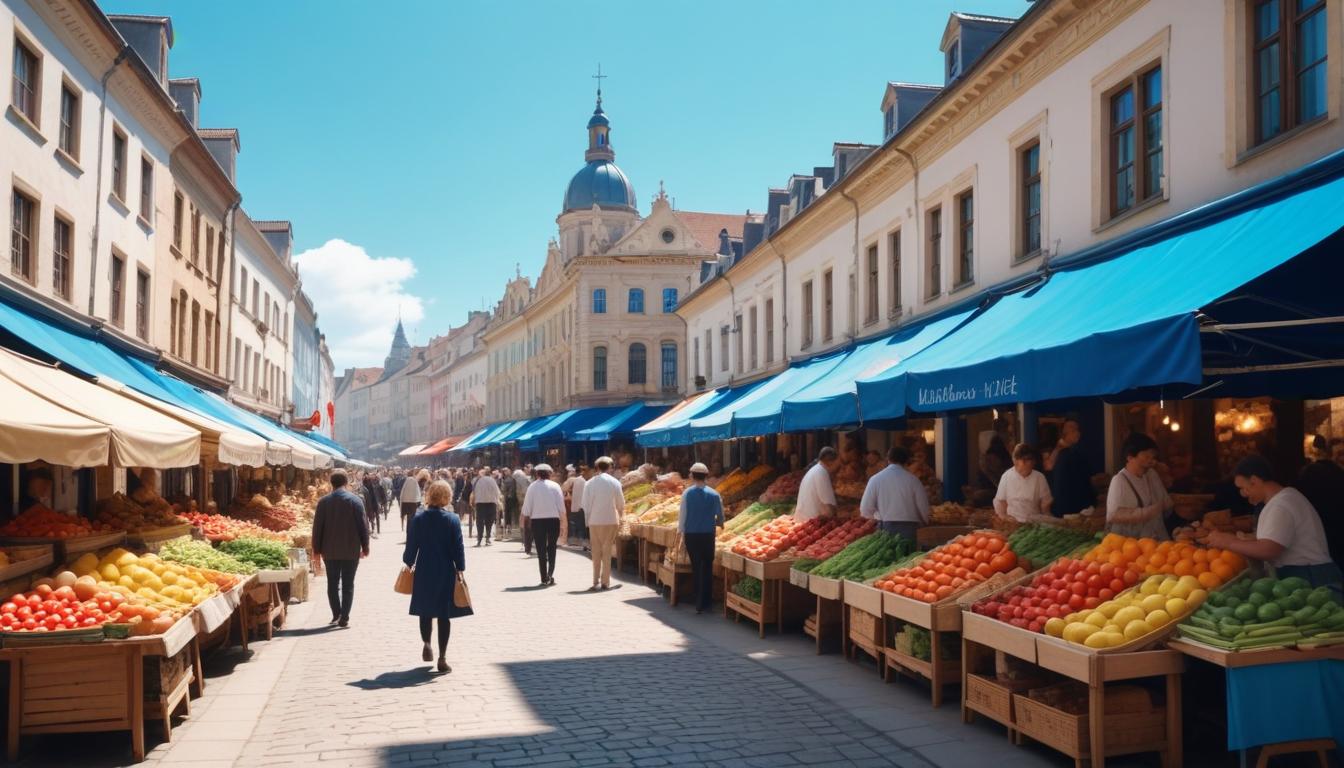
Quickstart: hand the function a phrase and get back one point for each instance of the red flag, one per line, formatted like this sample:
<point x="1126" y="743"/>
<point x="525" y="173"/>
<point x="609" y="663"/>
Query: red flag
<point x="316" y="419"/>
<point x="331" y="414"/>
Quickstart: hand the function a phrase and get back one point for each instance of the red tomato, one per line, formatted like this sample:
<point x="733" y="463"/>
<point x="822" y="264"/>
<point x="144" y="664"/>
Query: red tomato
<point x="30" y="624"/>
<point x="1076" y="602"/>
<point x="1079" y="588"/>
<point x="34" y="602"/>
<point x="51" y="622"/>
<point x="1105" y="594"/>
<point x="1094" y="582"/>
<point x="1091" y="602"/>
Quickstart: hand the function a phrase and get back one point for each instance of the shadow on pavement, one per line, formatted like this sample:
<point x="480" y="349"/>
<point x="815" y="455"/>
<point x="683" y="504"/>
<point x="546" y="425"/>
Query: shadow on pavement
<point x="409" y="678"/>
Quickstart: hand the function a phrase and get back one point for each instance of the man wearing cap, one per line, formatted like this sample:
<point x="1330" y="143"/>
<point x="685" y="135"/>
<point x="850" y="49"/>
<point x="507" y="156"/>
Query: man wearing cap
<point x="701" y="514"/>
<point x="543" y="506"/>
<point x="602" y="503"/>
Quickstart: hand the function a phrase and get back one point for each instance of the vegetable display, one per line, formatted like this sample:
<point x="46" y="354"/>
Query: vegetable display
<point x="1267" y="613"/>
<point x="259" y="552"/>
<point x="749" y="587"/>
<point x="880" y="550"/>
<point x="839" y="537"/>
<point x="952" y="568"/>
<point x="1068" y="585"/>
<point x="200" y="554"/>
<point x="782" y="534"/>
<point x="784" y="488"/>
<point x="152" y="580"/>
<point x="1043" y="544"/>
<point x="1211" y="567"/>
<point x="223" y="528"/>
<point x="42" y="523"/>
<point x="49" y="609"/>
<point x="1132" y="615"/>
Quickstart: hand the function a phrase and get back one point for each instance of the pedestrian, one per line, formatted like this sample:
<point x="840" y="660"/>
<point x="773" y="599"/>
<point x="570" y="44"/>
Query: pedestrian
<point x="371" y="503"/>
<point x="816" y="494"/>
<point x="526" y="533"/>
<point x="700" y="516"/>
<point x="340" y="539"/>
<point x="895" y="497"/>
<point x="385" y="480"/>
<point x="544" y="505"/>
<point x="574" y="487"/>
<point x="521" y="480"/>
<point x="409" y="497"/>
<point x="601" y="507"/>
<point x="434" y="550"/>
<point x="485" y="496"/>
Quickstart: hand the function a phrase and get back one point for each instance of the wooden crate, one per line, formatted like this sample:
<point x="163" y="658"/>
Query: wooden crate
<point x="167" y="686"/>
<point x="864" y="597"/>
<point x="828" y="589"/>
<point x="944" y="616"/>
<point x="810" y="626"/>
<point x="931" y="536"/>
<point x="34" y="558"/>
<point x="992" y="696"/>
<point x="798" y="578"/>
<point x="995" y="634"/>
<point x="767" y="569"/>
<point x="948" y="672"/>
<point x="761" y="613"/>
<point x="865" y="627"/>
<point x="1125" y="733"/>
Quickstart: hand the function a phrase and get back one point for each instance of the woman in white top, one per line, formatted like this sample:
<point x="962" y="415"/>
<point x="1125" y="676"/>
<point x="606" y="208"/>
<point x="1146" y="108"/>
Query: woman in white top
<point x="1024" y="494"/>
<point x="1137" y="502"/>
<point x="1289" y="534"/>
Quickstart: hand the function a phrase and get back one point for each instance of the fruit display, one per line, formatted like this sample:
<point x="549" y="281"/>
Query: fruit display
<point x="68" y="602"/>
<point x="740" y="485"/>
<point x="224" y="528"/>
<point x="261" y="511"/>
<point x="849" y="489"/>
<point x="748" y="521"/>
<point x="1220" y="521"/>
<point x="869" y="556"/>
<point x="1042" y="544"/>
<point x="646" y="473"/>
<point x="1212" y="567"/>
<point x="1267" y="613"/>
<point x="952" y="568"/>
<point x="200" y="554"/>
<point x="671" y="483"/>
<point x="266" y="555"/>
<point x="39" y="522"/>
<point x="784" y="488"/>
<point x="838" y="538"/>
<point x="1131" y="615"/>
<point x="782" y="534"/>
<point x="749" y="587"/>
<point x="636" y="492"/>
<point x="1067" y="586"/>
<point x="664" y="512"/>
<point x="120" y="512"/>
<point x="949" y="513"/>
<point x="149" y="578"/>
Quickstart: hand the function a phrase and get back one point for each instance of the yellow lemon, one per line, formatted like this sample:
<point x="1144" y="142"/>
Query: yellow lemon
<point x="109" y="573"/>
<point x="1096" y="619"/>
<point x="1196" y="598"/>
<point x="1167" y="585"/>
<point x="1158" y="618"/>
<point x="1152" y="603"/>
<point x="1108" y="608"/>
<point x="1079" y="631"/>
<point x="1136" y="629"/>
<point x="1128" y="614"/>
<point x="1055" y="627"/>
<point x="1177" y="606"/>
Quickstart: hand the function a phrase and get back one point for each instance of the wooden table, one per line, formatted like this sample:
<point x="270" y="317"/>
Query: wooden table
<point x="830" y="611"/>
<point x="939" y="619"/>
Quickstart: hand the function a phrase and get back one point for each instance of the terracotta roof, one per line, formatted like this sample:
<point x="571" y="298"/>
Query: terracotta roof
<point x="705" y="227"/>
<point x="365" y="376"/>
<point x="221" y="133"/>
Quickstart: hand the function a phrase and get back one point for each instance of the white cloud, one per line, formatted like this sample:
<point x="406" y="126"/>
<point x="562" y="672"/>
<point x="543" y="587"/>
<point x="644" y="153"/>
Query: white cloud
<point x="357" y="297"/>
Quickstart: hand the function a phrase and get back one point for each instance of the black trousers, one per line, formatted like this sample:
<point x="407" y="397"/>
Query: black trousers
<point x="578" y="528"/>
<point x="700" y="546"/>
<point x="341" y="586"/>
<point x="485" y="521"/>
<point x="545" y="534"/>
<point x="527" y="535"/>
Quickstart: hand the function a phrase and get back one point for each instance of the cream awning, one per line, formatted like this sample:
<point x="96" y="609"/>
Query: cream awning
<point x="236" y="446"/>
<point x="139" y="436"/>
<point x="33" y="428"/>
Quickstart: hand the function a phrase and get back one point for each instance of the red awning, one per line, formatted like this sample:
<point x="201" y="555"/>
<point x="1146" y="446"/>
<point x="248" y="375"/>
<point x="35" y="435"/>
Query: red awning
<point x="443" y="445"/>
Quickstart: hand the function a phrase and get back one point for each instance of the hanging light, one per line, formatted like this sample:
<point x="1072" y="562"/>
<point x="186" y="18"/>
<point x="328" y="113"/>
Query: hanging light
<point x="1166" y="420"/>
<point x="1175" y="426"/>
<point x="996" y="413"/>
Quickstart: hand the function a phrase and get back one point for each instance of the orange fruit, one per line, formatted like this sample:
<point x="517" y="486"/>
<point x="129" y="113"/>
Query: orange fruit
<point x="1209" y="580"/>
<point x="1184" y="567"/>
<point x="1222" y="569"/>
<point x="1147" y="545"/>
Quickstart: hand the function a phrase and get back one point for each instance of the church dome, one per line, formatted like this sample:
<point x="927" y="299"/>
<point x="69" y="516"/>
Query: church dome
<point x="600" y="183"/>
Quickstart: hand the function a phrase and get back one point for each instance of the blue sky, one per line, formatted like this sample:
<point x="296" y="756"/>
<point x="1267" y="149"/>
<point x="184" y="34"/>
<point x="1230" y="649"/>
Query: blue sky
<point x="422" y="154"/>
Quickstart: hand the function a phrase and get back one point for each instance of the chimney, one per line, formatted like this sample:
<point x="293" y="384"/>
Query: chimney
<point x="186" y="91"/>
<point x="150" y="37"/>
<point x="224" y="146"/>
<point x="724" y="245"/>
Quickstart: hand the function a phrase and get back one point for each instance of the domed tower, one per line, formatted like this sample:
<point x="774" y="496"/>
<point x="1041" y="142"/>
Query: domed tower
<point x="600" y="201"/>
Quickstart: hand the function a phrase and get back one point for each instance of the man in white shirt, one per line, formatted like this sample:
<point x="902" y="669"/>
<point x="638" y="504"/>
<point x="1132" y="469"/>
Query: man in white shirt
<point x="544" y="505"/>
<point x="574" y="496"/>
<point x="816" y="495"/>
<point x="409" y="498"/>
<point x="485" y="495"/>
<point x="895" y="497"/>
<point x="603" y="503"/>
<point x="521" y="479"/>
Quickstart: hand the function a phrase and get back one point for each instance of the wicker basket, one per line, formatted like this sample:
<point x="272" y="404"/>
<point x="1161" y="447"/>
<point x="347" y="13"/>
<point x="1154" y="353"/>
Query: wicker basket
<point x="1068" y="733"/>
<point x="865" y="626"/>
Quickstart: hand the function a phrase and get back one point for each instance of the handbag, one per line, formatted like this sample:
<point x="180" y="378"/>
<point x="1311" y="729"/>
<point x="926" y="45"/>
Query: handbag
<point x="405" y="581"/>
<point x="461" y="595"/>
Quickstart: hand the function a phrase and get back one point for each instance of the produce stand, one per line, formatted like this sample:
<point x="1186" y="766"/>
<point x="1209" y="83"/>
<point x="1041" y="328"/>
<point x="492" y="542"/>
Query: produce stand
<point x="829" y="619"/>
<point x="938" y="618"/>
<point x="262" y="607"/>
<point x="776" y="603"/>
<point x="65" y="550"/>
<point x="931" y="536"/>
<point x="36" y="558"/>
<point x="863" y="622"/>
<point x="149" y="540"/>
<point x="673" y="577"/>
<point x="627" y="549"/>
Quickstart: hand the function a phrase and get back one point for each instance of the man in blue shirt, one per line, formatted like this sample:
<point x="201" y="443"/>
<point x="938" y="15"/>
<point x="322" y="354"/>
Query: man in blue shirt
<point x="701" y="514"/>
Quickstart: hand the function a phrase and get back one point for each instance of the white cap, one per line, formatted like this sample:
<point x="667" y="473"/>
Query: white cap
<point x="604" y="460"/>
<point x="542" y="468"/>
<point x="698" y="468"/>
<point x="569" y="467"/>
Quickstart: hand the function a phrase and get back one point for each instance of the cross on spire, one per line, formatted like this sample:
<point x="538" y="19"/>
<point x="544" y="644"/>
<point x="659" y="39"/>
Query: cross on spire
<point x="599" y="77"/>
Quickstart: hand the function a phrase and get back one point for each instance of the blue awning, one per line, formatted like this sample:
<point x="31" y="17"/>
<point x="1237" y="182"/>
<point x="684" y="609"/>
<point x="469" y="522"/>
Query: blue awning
<point x="517" y="428"/>
<point x="556" y="428"/>
<point x="483" y="437"/>
<point x="327" y="442"/>
<point x="832" y="400"/>
<point x="757" y="412"/>
<point x="1130" y="322"/>
<point x="623" y="422"/>
<point x="674" y="427"/>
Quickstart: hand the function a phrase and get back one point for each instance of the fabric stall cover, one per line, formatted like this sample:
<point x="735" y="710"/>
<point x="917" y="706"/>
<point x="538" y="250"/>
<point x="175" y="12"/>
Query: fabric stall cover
<point x="443" y="445"/>
<point x="33" y="428"/>
<point x="412" y="450"/>
<point x="236" y="446"/>
<point x="555" y="428"/>
<point x="140" y="436"/>
<point x="1107" y="327"/>
<point x="625" y="422"/>
<point x="511" y="434"/>
<point x="674" y="427"/>
<point x="301" y="455"/>
<point x="331" y="446"/>
<point x="758" y="413"/>
<point x="486" y="437"/>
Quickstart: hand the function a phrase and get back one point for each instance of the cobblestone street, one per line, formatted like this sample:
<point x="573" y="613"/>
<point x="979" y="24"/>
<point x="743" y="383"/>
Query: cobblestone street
<point x="546" y="676"/>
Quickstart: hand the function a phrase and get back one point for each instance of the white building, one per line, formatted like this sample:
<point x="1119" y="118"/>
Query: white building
<point x="265" y="280"/>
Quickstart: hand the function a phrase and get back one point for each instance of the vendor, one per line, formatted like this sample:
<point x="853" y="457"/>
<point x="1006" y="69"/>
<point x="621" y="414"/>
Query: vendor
<point x="1137" y="502"/>
<point x="896" y="498"/>
<point x="816" y="495"/>
<point x="1070" y="475"/>
<point x="1288" y="535"/>
<point x="37" y="491"/>
<point x="1023" y="493"/>
<point x="1322" y="482"/>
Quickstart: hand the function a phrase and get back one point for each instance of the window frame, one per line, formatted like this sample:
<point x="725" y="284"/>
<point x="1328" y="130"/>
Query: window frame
<point x="828" y="305"/>
<point x="673" y="294"/>
<point x="964" y="204"/>
<point x="1287" y="38"/>
<point x="1141" y="151"/>
<point x="146" y="189"/>
<point x="894" y="303"/>
<point x="179" y="223"/>
<point x="809" y="313"/>
<point x="600" y="373"/>
<point x="709" y="354"/>
<point x="62" y="262"/>
<point x="637" y="366"/>
<point x="1026" y="181"/>
<point x="599" y="304"/>
<point x="769" y="331"/>
<point x="28" y="102"/>
<point x="723" y="348"/>
<point x="872" y="284"/>
<point x="121" y="151"/>
<point x="753" y="325"/>
<point x="68" y="131"/>
<point x="933" y="252"/>
<point x="634" y="298"/>
<point x="23" y="244"/>
<point x="142" y="302"/>
<point x="668" y="366"/>
<point x="116" y="295"/>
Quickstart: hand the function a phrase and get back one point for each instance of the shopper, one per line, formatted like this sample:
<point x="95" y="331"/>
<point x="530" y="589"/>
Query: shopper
<point x="895" y="497"/>
<point x="373" y="504"/>
<point x="409" y="496"/>
<point x="544" y="505"/>
<point x="520" y="482"/>
<point x="578" y="531"/>
<point x="385" y="480"/>
<point x="340" y="539"/>
<point x="1322" y="482"/>
<point x="1070" y="472"/>
<point x="816" y="494"/>
<point x="485" y="497"/>
<point x="1137" y="502"/>
<point x="700" y="516"/>
<point x="573" y="487"/>
<point x="1288" y="535"/>
<point x="434" y="549"/>
<point x="1023" y="494"/>
<point x="601" y="507"/>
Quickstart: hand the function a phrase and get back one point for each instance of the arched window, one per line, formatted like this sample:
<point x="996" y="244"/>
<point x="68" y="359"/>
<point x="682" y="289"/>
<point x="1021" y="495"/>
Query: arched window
<point x="669" y="352"/>
<point x="599" y="369"/>
<point x="599" y="301"/>
<point x="638" y="364"/>
<point x="636" y="303"/>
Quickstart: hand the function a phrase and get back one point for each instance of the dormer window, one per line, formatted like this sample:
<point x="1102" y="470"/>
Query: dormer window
<point x="889" y="122"/>
<point x="954" y="60"/>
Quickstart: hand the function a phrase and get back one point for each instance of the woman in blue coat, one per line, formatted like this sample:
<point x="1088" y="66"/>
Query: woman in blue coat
<point x="434" y="550"/>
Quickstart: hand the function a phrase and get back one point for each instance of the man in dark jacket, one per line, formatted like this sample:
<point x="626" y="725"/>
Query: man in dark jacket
<point x="340" y="538"/>
<point x="1322" y="482"/>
